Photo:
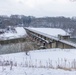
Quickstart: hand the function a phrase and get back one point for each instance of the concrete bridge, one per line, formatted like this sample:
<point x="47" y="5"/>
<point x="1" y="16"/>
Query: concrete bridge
<point x="49" y="41"/>
<point x="12" y="41"/>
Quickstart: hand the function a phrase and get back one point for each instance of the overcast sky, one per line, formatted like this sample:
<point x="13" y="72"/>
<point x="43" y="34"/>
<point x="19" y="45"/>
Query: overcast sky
<point x="38" y="8"/>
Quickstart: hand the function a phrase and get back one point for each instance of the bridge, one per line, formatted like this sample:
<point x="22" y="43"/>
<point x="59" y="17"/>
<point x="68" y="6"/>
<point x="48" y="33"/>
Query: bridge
<point x="49" y="41"/>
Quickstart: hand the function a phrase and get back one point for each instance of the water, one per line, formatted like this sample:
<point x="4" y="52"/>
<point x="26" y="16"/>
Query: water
<point x="12" y="48"/>
<point x="19" y="47"/>
<point x="73" y="40"/>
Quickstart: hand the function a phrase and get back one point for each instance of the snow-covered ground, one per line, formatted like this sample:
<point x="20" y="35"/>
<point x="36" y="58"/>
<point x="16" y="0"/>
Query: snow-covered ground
<point x="16" y="33"/>
<point x="34" y="71"/>
<point x="40" y="62"/>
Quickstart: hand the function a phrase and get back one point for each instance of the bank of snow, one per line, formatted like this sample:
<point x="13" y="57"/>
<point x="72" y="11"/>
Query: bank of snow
<point x="15" y="32"/>
<point x="41" y="62"/>
<point x="35" y="71"/>
<point x="20" y="31"/>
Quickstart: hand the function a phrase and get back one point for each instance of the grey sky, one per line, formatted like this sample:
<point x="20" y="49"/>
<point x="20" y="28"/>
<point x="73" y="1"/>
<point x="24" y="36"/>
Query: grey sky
<point x="38" y="8"/>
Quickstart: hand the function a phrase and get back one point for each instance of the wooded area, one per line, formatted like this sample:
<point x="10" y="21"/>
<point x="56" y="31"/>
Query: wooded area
<point x="66" y="23"/>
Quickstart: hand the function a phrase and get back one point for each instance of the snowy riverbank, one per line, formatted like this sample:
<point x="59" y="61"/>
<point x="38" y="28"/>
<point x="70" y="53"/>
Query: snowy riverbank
<point x="39" y="62"/>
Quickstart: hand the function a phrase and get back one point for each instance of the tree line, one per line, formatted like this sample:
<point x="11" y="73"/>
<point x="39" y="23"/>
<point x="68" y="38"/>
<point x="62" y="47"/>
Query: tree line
<point x="66" y="23"/>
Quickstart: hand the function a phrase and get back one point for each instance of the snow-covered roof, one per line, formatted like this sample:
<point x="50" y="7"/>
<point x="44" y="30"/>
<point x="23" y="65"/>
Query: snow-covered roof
<point x="52" y="31"/>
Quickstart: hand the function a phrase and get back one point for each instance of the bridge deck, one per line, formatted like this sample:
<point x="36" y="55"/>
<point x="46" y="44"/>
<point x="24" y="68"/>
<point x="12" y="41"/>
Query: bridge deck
<point x="52" y="37"/>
